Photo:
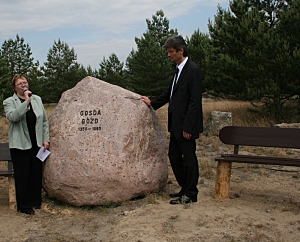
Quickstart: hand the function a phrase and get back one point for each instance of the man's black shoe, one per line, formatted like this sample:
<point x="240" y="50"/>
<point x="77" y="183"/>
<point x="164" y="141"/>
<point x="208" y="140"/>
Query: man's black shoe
<point x="28" y="211"/>
<point x="179" y="194"/>
<point x="182" y="200"/>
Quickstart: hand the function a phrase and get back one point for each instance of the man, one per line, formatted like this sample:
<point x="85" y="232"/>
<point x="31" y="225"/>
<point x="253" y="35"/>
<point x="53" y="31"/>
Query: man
<point x="185" y="121"/>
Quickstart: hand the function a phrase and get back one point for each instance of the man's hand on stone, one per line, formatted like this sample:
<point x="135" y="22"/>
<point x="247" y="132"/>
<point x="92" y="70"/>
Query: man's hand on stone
<point x="146" y="100"/>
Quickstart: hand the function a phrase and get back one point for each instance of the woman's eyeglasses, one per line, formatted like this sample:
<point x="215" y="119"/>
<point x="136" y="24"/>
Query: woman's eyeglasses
<point x="21" y="83"/>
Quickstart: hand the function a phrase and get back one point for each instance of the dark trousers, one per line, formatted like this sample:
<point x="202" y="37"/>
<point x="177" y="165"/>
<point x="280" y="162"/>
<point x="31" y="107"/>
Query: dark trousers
<point x="28" y="177"/>
<point x="184" y="163"/>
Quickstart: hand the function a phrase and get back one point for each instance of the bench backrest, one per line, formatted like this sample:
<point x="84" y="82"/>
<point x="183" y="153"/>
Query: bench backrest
<point x="5" y="154"/>
<point x="261" y="136"/>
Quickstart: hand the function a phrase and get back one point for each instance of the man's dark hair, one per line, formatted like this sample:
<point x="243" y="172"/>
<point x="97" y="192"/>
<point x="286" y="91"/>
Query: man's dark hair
<point x="178" y="43"/>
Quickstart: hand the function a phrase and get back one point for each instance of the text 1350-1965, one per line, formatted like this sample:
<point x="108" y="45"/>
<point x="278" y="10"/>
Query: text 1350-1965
<point x="88" y="119"/>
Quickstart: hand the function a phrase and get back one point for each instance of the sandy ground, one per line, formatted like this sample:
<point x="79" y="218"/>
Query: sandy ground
<point x="264" y="205"/>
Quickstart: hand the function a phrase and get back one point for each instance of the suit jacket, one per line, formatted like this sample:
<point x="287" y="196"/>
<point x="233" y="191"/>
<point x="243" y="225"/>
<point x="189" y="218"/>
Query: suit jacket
<point x="18" y="134"/>
<point x="186" y="102"/>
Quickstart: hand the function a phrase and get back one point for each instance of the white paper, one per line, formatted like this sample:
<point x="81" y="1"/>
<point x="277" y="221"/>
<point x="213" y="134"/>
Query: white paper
<point x="42" y="155"/>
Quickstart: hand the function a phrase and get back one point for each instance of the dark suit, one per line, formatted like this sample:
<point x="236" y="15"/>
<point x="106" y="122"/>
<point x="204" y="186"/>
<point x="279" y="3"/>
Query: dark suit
<point x="186" y="116"/>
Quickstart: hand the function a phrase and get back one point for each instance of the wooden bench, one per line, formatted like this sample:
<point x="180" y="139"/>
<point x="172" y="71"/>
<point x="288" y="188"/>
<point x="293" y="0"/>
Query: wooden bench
<point x="5" y="156"/>
<point x="253" y="136"/>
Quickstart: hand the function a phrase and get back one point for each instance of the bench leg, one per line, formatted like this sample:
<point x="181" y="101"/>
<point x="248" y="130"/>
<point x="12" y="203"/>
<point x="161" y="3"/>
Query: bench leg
<point x="222" y="179"/>
<point x="12" y="193"/>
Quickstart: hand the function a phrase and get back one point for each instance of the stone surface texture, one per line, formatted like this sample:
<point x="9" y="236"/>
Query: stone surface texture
<point x="106" y="146"/>
<point x="288" y="125"/>
<point x="216" y="121"/>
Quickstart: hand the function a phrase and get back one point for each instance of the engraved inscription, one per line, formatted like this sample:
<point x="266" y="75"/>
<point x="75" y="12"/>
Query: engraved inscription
<point x="89" y="120"/>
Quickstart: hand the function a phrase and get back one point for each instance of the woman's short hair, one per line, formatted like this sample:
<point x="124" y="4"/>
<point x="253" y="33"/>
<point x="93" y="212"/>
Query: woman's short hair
<point x="16" y="77"/>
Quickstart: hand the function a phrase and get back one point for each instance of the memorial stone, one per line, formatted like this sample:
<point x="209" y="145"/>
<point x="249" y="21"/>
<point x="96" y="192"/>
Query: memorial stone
<point x="106" y="146"/>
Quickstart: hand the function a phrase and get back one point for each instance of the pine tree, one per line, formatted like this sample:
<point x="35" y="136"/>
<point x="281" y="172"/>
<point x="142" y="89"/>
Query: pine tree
<point x="254" y="55"/>
<point x="148" y="70"/>
<point x="6" y="89"/>
<point x="111" y="70"/>
<point x="5" y="83"/>
<point x="16" y="58"/>
<point x="58" y="71"/>
<point x="199" y="51"/>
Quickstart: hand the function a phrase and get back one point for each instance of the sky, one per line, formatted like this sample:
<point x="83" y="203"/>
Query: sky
<point x="97" y="28"/>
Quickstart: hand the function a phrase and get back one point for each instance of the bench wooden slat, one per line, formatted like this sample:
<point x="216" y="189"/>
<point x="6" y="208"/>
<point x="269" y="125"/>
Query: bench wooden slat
<point x="261" y="136"/>
<point x="259" y="160"/>
<point x="4" y="152"/>
<point x="5" y="156"/>
<point x="262" y="157"/>
<point x="6" y="173"/>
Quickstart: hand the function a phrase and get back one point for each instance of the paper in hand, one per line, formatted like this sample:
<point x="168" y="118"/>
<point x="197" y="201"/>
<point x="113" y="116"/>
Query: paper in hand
<point x="42" y="155"/>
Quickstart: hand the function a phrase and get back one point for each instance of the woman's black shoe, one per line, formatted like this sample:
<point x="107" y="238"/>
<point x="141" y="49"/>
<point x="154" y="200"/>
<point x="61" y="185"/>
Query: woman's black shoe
<point x="28" y="211"/>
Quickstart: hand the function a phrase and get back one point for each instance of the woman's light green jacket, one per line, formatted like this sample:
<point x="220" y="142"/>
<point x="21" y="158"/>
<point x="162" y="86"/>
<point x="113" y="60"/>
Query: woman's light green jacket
<point x="18" y="134"/>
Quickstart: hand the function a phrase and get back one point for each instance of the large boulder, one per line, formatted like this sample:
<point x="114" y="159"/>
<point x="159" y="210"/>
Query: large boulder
<point x="106" y="146"/>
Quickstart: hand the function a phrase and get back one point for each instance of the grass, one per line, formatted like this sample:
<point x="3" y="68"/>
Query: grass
<point x="3" y="129"/>
<point x="240" y="115"/>
<point x="4" y="123"/>
<point x="239" y="109"/>
<point x="49" y="108"/>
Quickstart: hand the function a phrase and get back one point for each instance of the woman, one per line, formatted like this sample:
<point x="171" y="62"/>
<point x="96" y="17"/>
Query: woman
<point x="28" y="131"/>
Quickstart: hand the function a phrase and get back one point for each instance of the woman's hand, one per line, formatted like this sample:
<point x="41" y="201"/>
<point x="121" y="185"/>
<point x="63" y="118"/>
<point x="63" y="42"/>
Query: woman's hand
<point x="27" y="95"/>
<point x="46" y="145"/>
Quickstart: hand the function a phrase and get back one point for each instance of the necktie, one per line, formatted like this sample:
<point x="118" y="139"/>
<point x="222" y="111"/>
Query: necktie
<point x="173" y="85"/>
